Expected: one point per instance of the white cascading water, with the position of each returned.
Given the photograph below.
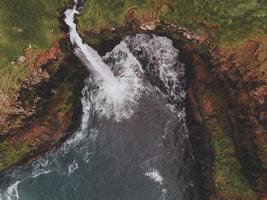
(115, 95)
(118, 84)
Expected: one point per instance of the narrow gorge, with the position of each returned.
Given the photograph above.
(136, 103)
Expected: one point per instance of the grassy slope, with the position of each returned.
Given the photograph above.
(24, 23)
(233, 20)
(11, 154)
(229, 180)
(99, 13)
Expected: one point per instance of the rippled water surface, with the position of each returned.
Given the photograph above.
(132, 141)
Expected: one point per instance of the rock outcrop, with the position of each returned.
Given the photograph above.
(227, 92)
(48, 101)
(242, 74)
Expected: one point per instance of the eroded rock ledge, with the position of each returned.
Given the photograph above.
(225, 85)
(226, 105)
(46, 108)
(229, 160)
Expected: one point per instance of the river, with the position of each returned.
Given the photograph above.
(132, 143)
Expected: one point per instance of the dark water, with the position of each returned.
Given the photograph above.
(140, 157)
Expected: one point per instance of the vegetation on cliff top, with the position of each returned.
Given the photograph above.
(23, 23)
(53, 123)
(102, 13)
(229, 179)
(11, 153)
(228, 21)
(34, 23)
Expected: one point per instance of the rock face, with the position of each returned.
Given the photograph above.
(227, 101)
(15, 105)
(221, 172)
(227, 94)
(242, 71)
(46, 106)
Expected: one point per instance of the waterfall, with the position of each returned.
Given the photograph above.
(87, 54)
(133, 108)
(151, 99)
(116, 95)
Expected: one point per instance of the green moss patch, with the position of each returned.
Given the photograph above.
(229, 179)
(9, 154)
(23, 23)
(103, 13)
(228, 21)
(65, 93)
(11, 75)
(27, 22)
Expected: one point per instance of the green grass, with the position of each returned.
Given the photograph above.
(24, 23)
(9, 154)
(65, 95)
(228, 176)
(101, 13)
(235, 19)
(10, 76)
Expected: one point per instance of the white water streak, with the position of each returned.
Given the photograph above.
(116, 93)
(72, 167)
(155, 176)
(12, 192)
(86, 53)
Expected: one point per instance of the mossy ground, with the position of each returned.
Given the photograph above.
(51, 123)
(103, 13)
(229, 179)
(10, 76)
(24, 23)
(11, 154)
(227, 21)
(34, 23)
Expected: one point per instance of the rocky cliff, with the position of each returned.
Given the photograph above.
(224, 47)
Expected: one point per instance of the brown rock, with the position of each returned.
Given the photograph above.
(207, 105)
(130, 16)
(259, 94)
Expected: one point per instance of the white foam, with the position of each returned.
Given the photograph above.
(118, 101)
(162, 63)
(72, 167)
(12, 192)
(87, 156)
(93, 134)
(39, 173)
(164, 192)
(155, 176)
(116, 93)
(167, 127)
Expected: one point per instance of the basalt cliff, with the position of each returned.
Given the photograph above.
(223, 46)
